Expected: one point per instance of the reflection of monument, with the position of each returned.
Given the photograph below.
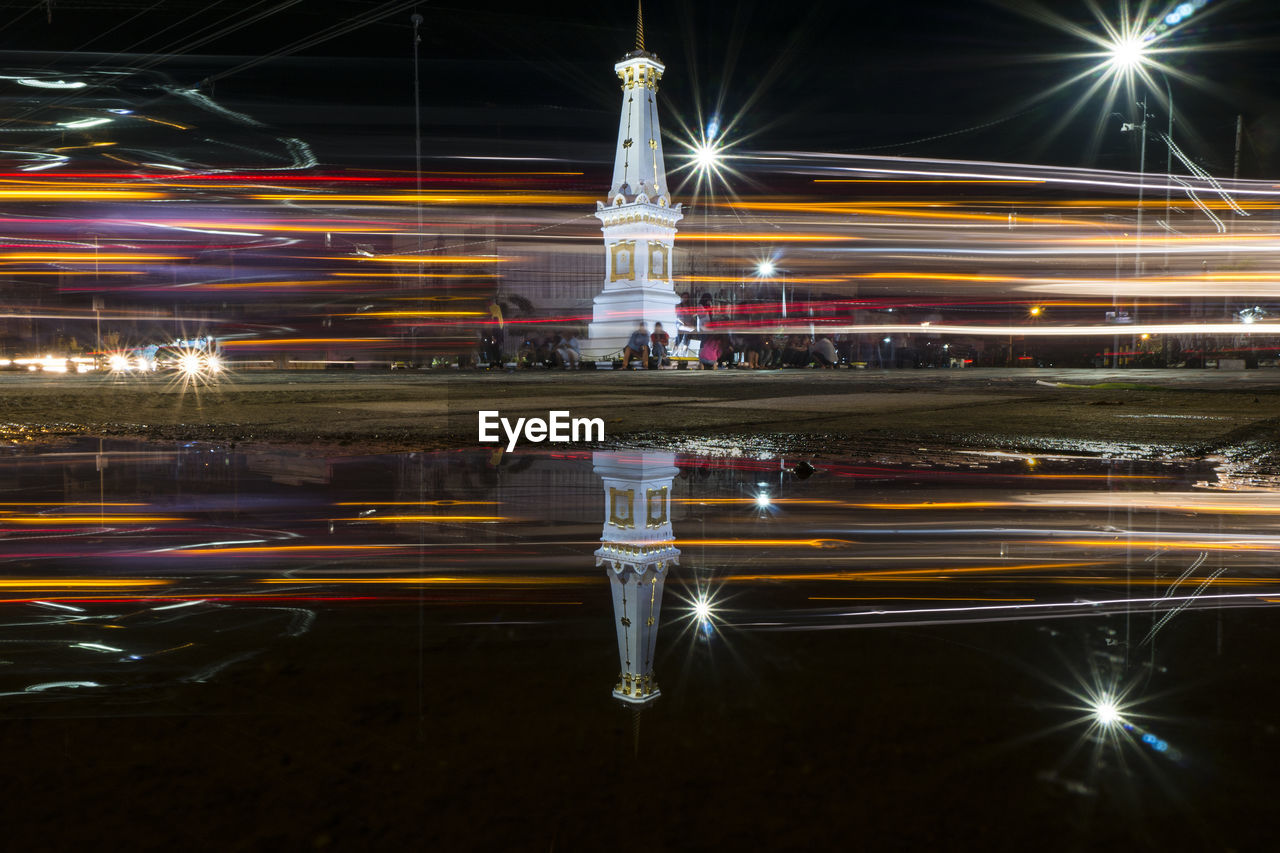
(636, 548)
(638, 220)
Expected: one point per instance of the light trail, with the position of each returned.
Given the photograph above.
(1035, 331)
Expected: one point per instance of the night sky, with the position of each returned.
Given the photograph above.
(535, 80)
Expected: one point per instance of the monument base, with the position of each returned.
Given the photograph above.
(616, 313)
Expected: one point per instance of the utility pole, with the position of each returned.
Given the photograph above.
(1235, 166)
(1142, 174)
(416, 19)
(1235, 176)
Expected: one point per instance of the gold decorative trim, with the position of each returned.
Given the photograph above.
(655, 514)
(622, 254)
(621, 513)
(659, 257)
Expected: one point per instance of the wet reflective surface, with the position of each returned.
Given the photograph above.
(639, 649)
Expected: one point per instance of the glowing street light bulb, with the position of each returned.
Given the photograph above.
(1036, 310)
(766, 268)
(1106, 713)
(702, 609)
(762, 500)
(1128, 53)
(706, 156)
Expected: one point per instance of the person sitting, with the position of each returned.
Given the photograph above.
(770, 354)
(568, 351)
(755, 349)
(491, 349)
(658, 345)
(527, 354)
(727, 352)
(637, 347)
(796, 353)
(709, 352)
(824, 352)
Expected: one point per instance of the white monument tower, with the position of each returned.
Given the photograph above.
(636, 549)
(638, 219)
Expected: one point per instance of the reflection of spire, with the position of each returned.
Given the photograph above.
(639, 27)
(636, 548)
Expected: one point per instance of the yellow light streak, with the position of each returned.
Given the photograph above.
(422, 259)
(79, 583)
(294, 341)
(766, 238)
(417, 274)
(935, 504)
(431, 198)
(78, 195)
(84, 257)
(78, 147)
(237, 285)
(422, 519)
(752, 501)
(286, 549)
(69, 503)
(440, 580)
(939, 276)
(791, 279)
(88, 519)
(287, 226)
(771, 543)
(900, 211)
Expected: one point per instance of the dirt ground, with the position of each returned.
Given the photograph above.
(1137, 413)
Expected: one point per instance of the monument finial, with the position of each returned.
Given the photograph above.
(639, 26)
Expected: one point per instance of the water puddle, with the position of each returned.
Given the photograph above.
(463, 620)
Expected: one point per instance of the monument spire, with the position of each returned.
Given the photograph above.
(637, 217)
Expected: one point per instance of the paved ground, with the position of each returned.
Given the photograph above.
(1138, 412)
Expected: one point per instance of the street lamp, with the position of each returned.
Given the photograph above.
(707, 157)
(1129, 55)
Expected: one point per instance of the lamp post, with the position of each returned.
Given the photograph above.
(1129, 55)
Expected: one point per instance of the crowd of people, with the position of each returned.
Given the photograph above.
(650, 350)
(561, 350)
(767, 352)
(647, 350)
